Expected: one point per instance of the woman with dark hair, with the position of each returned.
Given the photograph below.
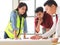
(17, 22)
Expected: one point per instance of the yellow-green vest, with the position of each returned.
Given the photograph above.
(9, 29)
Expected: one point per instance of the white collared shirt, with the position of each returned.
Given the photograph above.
(52, 30)
(55, 28)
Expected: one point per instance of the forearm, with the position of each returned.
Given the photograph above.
(51, 31)
(15, 34)
(37, 28)
(25, 28)
(38, 25)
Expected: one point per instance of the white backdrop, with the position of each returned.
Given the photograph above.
(5, 9)
(30, 12)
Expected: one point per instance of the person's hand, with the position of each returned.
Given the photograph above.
(26, 38)
(36, 37)
(40, 37)
(15, 35)
(54, 40)
(37, 30)
(15, 38)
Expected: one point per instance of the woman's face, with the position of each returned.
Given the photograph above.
(22, 10)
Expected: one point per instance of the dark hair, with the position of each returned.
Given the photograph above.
(50, 0)
(21, 4)
(50, 3)
(39, 9)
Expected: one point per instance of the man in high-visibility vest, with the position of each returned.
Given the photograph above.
(17, 22)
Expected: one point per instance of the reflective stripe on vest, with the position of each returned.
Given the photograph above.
(9, 29)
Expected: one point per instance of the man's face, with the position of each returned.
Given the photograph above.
(47, 8)
(40, 14)
(50, 9)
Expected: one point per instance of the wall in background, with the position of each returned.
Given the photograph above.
(5, 9)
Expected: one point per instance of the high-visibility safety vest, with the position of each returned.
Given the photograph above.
(9, 29)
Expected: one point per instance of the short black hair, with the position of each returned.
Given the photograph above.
(39, 9)
(50, 3)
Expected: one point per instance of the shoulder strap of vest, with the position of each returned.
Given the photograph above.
(20, 25)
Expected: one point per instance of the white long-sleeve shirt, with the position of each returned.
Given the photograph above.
(52, 30)
(55, 27)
